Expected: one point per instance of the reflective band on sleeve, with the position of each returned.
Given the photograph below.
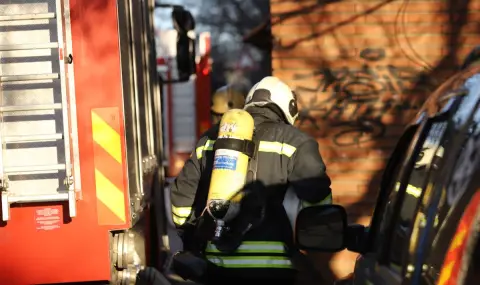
(180, 214)
(207, 146)
(328, 200)
(199, 151)
(250, 261)
(277, 147)
(253, 247)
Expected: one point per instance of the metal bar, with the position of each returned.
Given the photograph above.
(72, 204)
(32, 138)
(38, 16)
(57, 197)
(13, 170)
(5, 207)
(63, 85)
(75, 158)
(28, 46)
(38, 107)
(28, 77)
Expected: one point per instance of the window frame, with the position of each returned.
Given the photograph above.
(385, 185)
(438, 119)
(403, 156)
(397, 200)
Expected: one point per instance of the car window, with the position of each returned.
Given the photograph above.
(403, 227)
(387, 184)
(406, 189)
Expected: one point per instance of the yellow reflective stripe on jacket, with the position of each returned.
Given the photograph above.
(250, 261)
(275, 147)
(328, 200)
(253, 247)
(180, 214)
(207, 146)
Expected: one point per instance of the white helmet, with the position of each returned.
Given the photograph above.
(271, 90)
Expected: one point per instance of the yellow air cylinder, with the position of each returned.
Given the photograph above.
(230, 166)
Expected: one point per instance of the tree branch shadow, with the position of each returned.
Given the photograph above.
(325, 120)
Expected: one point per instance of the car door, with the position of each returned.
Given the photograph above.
(453, 188)
(388, 243)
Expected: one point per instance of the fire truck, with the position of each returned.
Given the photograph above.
(81, 134)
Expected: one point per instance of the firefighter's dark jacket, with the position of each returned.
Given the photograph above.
(287, 157)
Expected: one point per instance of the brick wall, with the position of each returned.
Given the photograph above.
(361, 70)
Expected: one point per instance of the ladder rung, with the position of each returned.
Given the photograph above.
(33, 138)
(28, 77)
(39, 107)
(39, 198)
(13, 170)
(28, 46)
(27, 17)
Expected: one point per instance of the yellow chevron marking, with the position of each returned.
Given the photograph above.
(106, 137)
(110, 195)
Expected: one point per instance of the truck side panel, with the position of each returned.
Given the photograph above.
(78, 248)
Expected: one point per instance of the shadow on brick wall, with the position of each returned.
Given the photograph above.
(361, 72)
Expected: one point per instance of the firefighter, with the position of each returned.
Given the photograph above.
(289, 163)
(225, 98)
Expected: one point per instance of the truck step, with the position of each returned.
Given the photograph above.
(28, 77)
(23, 17)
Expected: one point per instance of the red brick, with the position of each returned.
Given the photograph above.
(373, 38)
(291, 77)
(353, 153)
(305, 65)
(360, 209)
(341, 263)
(360, 176)
(325, 54)
(396, 6)
(341, 198)
(311, 6)
(474, 5)
(333, 36)
(353, 165)
(301, 30)
(316, 18)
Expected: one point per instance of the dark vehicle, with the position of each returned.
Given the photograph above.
(426, 221)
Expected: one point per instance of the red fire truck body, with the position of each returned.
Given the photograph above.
(81, 135)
